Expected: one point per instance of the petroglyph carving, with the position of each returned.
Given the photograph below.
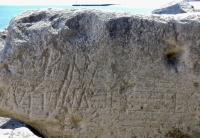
(89, 73)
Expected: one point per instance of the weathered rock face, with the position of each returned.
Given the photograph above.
(88, 73)
(175, 7)
(2, 38)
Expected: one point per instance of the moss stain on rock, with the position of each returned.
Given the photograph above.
(177, 133)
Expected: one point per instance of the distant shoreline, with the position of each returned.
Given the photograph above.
(93, 4)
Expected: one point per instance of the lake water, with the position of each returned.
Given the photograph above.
(8, 12)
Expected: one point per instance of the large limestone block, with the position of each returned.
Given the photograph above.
(100, 74)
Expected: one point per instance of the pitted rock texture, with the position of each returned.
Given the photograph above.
(84, 73)
(2, 38)
(175, 7)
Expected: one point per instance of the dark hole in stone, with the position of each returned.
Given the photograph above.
(141, 107)
(4, 36)
(196, 84)
(172, 60)
(172, 57)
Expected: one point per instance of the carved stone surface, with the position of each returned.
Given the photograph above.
(175, 7)
(100, 74)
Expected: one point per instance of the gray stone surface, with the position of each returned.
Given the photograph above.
(21, 132)
(175, 7)
(3, 34)
(101, 74)
(3, 120)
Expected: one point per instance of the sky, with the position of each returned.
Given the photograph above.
(130, 3)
